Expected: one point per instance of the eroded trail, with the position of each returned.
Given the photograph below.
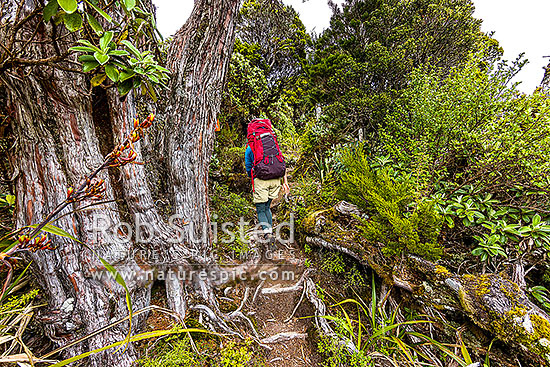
(272, 295)
(281, 311)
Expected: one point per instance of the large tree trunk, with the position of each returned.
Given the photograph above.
(199, 56)
(63, 131)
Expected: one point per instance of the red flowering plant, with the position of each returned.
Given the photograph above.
(32, 238)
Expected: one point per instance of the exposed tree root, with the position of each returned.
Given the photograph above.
(296, 287)
(296, 307)
(283, 337)
(320, 317)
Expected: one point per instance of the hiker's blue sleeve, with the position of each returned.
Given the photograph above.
(248, 160)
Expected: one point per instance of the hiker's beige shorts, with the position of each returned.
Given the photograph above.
(266, 189)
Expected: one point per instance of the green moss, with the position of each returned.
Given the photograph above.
(541, 327)
(441, 272)
(517, 323)
(233, 355)
(176, 351)
(309, 223)
(535, 336)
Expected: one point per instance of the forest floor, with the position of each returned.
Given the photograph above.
(275, 304)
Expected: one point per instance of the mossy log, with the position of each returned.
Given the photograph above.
(492, 302)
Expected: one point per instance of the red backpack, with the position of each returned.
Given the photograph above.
(269, 162)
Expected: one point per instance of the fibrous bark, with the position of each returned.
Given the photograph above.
(61, 126)
(199, 57)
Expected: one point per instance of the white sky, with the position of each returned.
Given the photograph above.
(518, 26)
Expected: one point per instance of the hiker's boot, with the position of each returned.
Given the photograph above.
(271, 243)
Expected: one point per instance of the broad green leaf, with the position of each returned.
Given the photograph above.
(69, 6)
(98, 79)
(125, 75)
(83, 58)
(477, 251)
(101, 12)
(129, 4)
(89, 66)
(116, 63)
(73, 21)
(158, 67)
(89, 44)
(81, 49)
(132, 49)
(151, 91)
(536, 220)
(153, 78)
(105, 40)
(94, 24)
(125, 87)
(112, 72)
(50, 10)
(525, 229)
(118, 53)
(101, 58)
(510, 227)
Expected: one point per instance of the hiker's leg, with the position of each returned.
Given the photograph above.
(262, 215)
(268, 213)
(261, 196)
(273, 192)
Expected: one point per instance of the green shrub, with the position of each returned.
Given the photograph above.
(497, 227)
(173, 353)
(469, 124)
(229, 206)
(397, 219)
(334, 263)
(336, 355)
(228, 160)
(234, 355)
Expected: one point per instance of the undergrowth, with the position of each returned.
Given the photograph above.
(398, 217)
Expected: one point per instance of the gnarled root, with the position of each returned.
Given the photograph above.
(320, 317)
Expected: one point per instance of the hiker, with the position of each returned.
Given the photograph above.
(265, 165)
